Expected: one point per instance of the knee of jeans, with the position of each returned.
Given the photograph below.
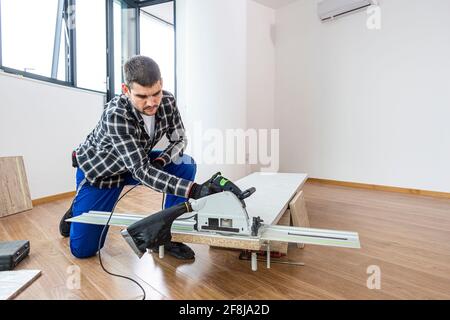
(82, 252)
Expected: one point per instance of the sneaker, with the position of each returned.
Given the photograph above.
(64, 227)
(178, 250)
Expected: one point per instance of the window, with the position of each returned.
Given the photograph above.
(91, 44)
(125, 39)
(84, 43)
(28, 40)
(157, 40)
(117, 47)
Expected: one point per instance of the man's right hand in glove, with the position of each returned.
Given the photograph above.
(205, 189)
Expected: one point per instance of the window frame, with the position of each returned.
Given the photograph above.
(71, 72)
(1, 52)
(142, 12)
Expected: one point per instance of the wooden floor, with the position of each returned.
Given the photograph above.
(407, 236)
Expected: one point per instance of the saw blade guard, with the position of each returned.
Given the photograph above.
(223, 213)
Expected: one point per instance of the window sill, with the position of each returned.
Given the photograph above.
(44, 80)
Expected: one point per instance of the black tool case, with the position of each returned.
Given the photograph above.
(12, 252)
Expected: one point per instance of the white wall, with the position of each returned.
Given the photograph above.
(366, 106)
(212, 70)
(260, 68)
(43, 123)
(226, 72)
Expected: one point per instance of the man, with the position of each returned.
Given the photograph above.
(119, 152)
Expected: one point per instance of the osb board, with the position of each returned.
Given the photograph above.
(214, 241)
(14, 191)
(14, 282)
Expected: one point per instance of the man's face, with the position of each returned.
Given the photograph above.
(145, 99)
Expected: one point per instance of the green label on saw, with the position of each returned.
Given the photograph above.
(223, 182)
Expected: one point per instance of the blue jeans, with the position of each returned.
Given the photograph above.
(84, 238)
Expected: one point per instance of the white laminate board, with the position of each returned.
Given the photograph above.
(14, 282)
(273, 193)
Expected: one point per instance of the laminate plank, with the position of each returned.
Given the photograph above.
(14, 192)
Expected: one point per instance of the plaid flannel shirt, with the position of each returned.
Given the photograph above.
(120, 144)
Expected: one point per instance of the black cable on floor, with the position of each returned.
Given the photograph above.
(100, 243)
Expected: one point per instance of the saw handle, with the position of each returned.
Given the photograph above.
(226, 185)
(247, 193)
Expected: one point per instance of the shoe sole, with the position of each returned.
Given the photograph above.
(64, 227)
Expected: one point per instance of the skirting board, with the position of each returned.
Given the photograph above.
(53, 198)
(434, 194)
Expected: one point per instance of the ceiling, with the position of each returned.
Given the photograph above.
(165, 10)
(275, 4)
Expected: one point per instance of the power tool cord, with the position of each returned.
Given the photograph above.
(100, 242)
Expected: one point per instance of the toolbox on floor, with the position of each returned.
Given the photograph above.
(12, 252)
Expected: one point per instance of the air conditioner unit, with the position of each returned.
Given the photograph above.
(330, 9)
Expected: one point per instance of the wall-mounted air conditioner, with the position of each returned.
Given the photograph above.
(330, 9)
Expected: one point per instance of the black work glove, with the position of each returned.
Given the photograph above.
(158, 164)
(205, 189)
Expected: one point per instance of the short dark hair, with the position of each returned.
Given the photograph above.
(142, 70)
